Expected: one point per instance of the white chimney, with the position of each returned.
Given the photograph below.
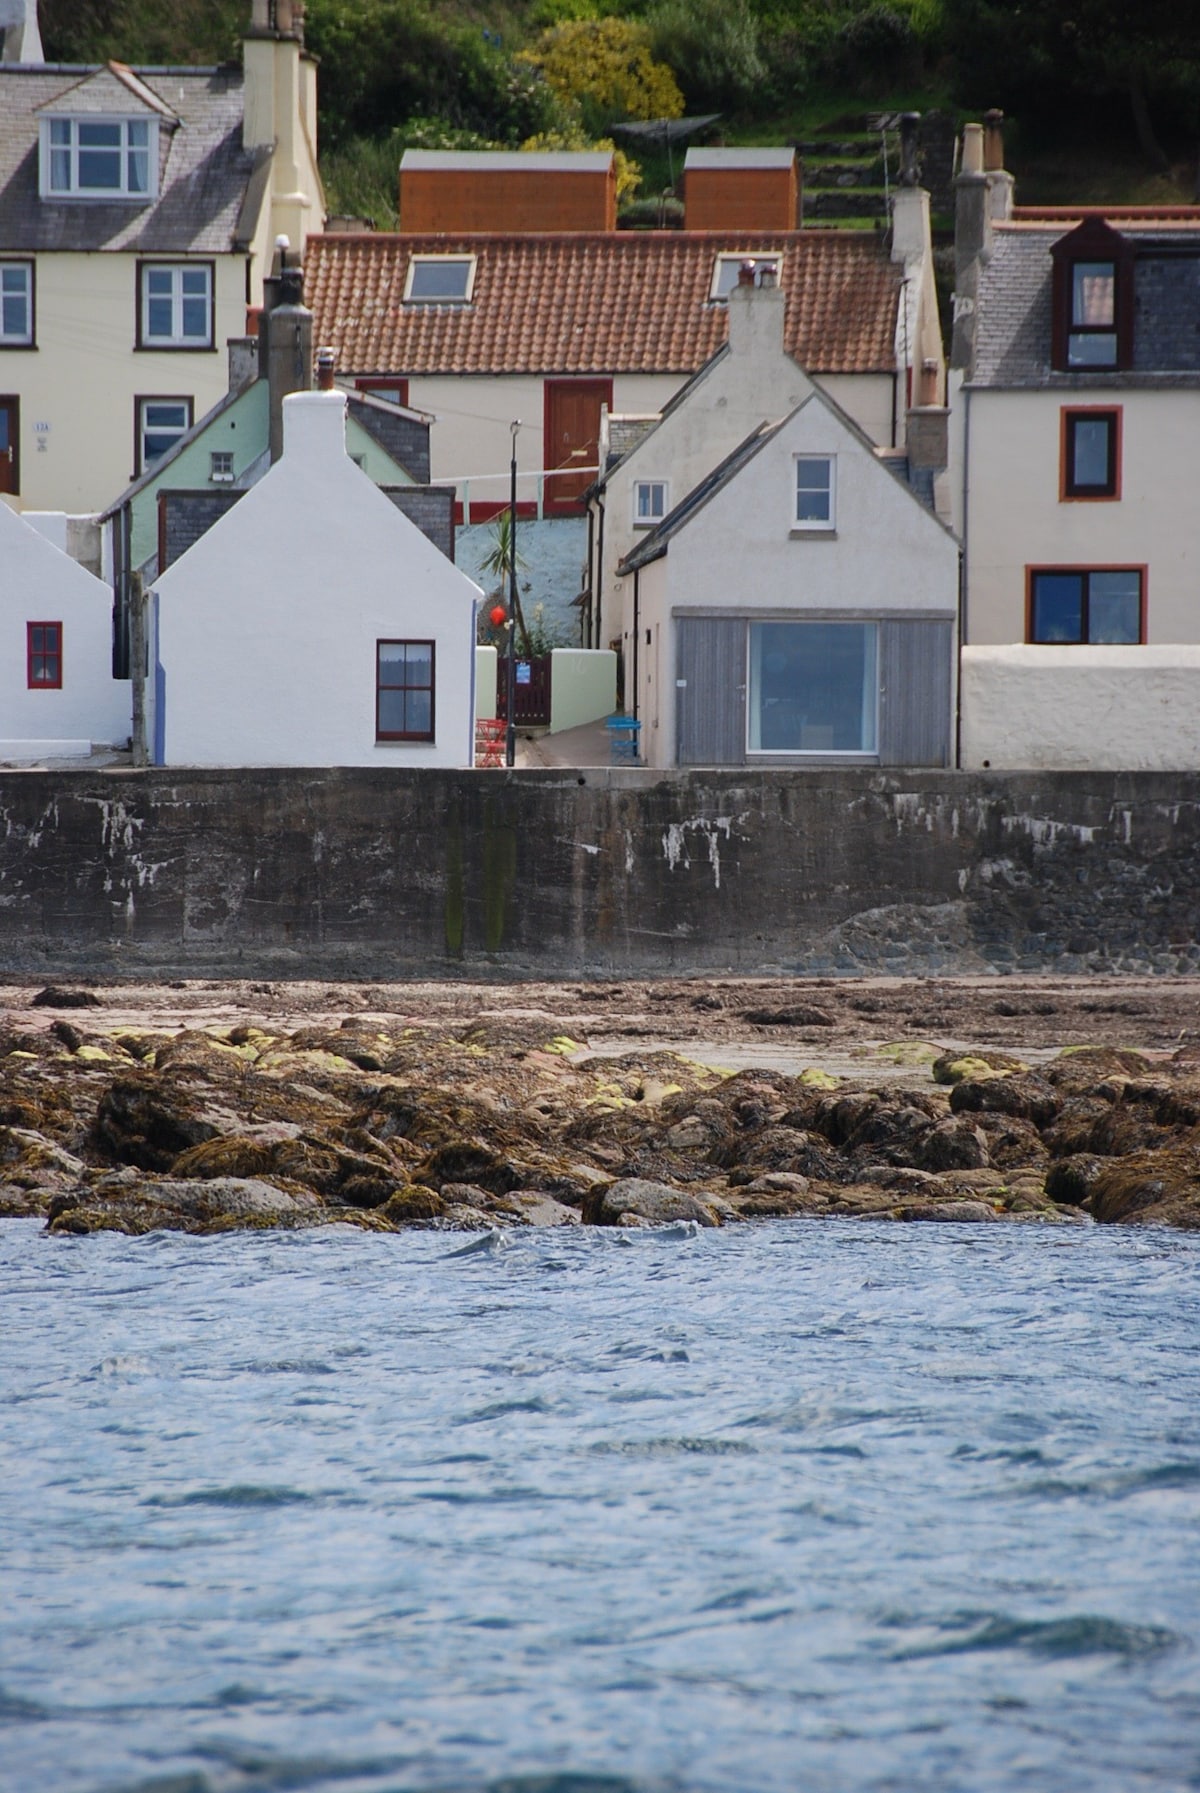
(19, 28)
(314, 429)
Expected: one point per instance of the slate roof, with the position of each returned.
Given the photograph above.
(596, 303)
(210, 188)
(1013, 327)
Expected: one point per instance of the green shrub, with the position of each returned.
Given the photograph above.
(713, 48)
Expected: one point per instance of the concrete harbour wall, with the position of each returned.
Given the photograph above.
(377, 874)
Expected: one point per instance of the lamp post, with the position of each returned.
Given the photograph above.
(510, 738)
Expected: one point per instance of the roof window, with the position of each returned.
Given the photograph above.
(439, 280)
(1092, 299)
(728, 268)
(99, 158)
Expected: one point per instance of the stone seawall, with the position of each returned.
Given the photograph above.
(547, 873)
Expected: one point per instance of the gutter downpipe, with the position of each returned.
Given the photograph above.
(631, 709)
(599, 585)
(591, 578)
(962, 565)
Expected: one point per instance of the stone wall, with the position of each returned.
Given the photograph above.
(359, 873)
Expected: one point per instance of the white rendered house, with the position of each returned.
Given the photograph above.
(797, 607)
(313, 624)
(58, 697)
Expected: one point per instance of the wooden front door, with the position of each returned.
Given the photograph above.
(10, 466)
(572, 425)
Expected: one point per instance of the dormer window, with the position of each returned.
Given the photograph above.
(440, 280)
(1093, 299)
(728, 269)
(99, 158)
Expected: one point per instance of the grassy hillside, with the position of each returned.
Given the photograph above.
(1103, 105)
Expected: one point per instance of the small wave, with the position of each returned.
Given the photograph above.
(129, 1364)
(288, 1366)
(241, 1494)
(495, 1240)
(1080, 1634)
(1113, 1487)
(15, 1710)
(501, 1410)
(673, 1447)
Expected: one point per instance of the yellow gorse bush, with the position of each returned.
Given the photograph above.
(607, 63)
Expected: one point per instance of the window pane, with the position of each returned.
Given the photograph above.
(99, 135)
(420, 712)
(814, 490)
(37, 640)
(1058, 607)
(195, 317)
(1090, 438)
(60, 131)
(1114, 607)
(166, 416)
(439, 279)
(158, 317)
(813, 687)
(391, 663)
(138, 178)
(391, 713)
(1093, 289)
(195, 282)
(100, 170)
(60, 170)
(419, 664)
(1098, 350)
(138, 132)
(160, 281)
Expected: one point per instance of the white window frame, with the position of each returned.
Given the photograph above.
(718, 292)
(177, 337)
(220, 467)
(814, 525)
(651, 519)
(67, 132)
(424, 261)
(16, 339)
(143, 429)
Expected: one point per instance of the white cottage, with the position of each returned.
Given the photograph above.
(58, 697)
(797, 607)
(314, 624)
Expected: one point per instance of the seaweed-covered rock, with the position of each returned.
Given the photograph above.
(1022, 1094)
(1150, 1189)
(148, 1122)
(635, 1201)
(150, 1204)
(951, 1145)
(975, 1062)
(1072, 1180)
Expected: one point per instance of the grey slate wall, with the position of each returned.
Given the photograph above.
(554, 873)
(431, 508)
(406, 439)
(183, 517)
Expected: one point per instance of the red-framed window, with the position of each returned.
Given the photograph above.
(387, 386)
(1093, 605)
(404, 690)
(1090, 460)
(44, 656)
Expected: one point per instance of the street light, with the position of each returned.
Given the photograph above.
(510, 738)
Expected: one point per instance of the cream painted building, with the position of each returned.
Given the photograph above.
(139, 211)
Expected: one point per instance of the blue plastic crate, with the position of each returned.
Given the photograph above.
(624, 737)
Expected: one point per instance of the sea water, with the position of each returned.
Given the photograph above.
(802, 1506)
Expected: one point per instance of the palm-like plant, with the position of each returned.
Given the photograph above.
(498, 561)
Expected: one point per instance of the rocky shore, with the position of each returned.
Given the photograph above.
(502, 1117)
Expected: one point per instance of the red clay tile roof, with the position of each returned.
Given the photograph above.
(604, 303)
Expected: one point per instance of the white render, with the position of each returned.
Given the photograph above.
(40, 584)
(741, 552)
(754, 381)
(266, 628)
(583, 686)
(1015, 519)
(1076, 708)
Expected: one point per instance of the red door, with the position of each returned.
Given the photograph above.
(10, 467)
(572, 425)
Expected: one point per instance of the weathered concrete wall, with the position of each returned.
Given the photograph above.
(392, 874)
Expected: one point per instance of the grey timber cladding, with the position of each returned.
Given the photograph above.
(916, 672)
(915, 689)
(710, 691)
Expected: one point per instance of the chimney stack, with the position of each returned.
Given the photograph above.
(285, 336)
(909, 125)
(983, 196)
(19, 31)
(326, 364)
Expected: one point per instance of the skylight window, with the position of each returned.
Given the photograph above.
(728, 267)
(99, 158)
(440, 280)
